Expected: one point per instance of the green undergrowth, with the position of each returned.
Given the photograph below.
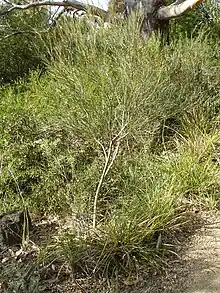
(120, 137)
(152, 198)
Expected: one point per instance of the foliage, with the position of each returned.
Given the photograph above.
(104, 105)
(205, 16)
(21, 44)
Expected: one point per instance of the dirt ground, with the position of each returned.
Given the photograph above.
(203, 257)
(197, 270)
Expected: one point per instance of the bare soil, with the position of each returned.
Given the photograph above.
(197, 269)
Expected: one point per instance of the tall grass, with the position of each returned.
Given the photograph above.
(81, 142)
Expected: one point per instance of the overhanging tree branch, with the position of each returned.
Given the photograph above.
(156, 14)
(165, 12)
(177, 8)
(74, 4)
(23, 32)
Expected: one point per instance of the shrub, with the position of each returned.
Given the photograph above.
(81, 139)
(21, 45)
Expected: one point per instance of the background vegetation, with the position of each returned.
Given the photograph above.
(118, 136)
(22, 46)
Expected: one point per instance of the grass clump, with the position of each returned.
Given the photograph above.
(154, 202)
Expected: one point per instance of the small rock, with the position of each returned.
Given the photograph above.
(13, 226)
(3, 286)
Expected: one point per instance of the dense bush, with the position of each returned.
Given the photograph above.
(21, 44)
(89, 140)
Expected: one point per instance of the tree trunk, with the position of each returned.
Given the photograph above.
(151, 22)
